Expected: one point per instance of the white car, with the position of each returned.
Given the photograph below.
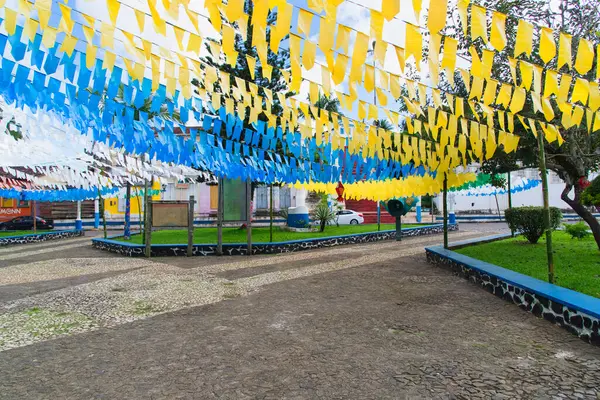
(349, 217)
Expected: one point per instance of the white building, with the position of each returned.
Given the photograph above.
(532, 197)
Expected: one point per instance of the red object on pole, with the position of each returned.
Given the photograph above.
(583, 182)
(340, 192)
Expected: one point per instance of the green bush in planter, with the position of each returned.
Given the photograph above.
(579, 230)
(530, 221)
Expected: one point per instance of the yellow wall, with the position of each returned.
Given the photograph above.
(111, 205)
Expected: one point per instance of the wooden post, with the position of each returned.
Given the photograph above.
(220, 217)
(271, 214)
(34, 214)
(445, 205)
(127, 230)
(145, 210)
(101, 205)
(547, 226)
(148, 225)
(190, 246)
(249, 215)
(512, 233)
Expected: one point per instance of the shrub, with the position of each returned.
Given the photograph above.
(591, 195)
(324, 215)
(579, 230)
(530, 221)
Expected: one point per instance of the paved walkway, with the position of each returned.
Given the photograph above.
(369, 321)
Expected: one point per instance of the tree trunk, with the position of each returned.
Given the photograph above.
(581, 210)
(323, 223)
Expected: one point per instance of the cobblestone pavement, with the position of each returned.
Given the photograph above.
(367, 321)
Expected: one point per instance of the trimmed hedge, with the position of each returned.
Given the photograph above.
(530, 221)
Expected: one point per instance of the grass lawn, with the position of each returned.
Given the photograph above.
(17, 233)
(576, 262)
(235, 235)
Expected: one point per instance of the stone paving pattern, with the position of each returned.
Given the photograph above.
(365, 321)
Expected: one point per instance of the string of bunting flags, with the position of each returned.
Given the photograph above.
(119, 98)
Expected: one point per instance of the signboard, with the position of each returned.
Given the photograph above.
(234, 200)
(169, 214)
(9, 213)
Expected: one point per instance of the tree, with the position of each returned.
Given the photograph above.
(579, 155)
(383, 124)
(243, 45)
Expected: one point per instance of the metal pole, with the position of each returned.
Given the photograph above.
(127, 231)
(190, 246)
(547, 227)
(148, 223)
(220, 217)
(512, 233)
(34, 214)
(271, 214)
(378, 216)
(249, 215)
(101, 207)
(445, 205)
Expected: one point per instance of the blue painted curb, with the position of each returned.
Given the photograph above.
(52, 233)
(574, 311)
(114, 244)
(578, 301)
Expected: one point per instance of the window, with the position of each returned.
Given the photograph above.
(23, 204)
(285, 198)
(554, 178)
(9, 203)
(214, 197)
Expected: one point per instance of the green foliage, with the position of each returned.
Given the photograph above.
(324, 214)
(259, 234)
(579, 230)
(575, 261)
(498, 181)
(591, 195)
(530, 221)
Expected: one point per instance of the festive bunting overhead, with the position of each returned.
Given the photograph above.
(101, 88)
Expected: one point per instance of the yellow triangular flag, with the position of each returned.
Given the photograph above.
(31, 26)
(498, 34)
(140, 17)
(308, 55)
(369, 83)
(417, 6)
(339, 71)
(564, 51)
(518, 100)
(436, 20)
(547, 45)
(304, 22)
(68, 45)
(524, 41)
(390, 8)
(414, 44)
(581, 91)
(113, 9)
(90, 56)
(234, 10)
(462, 6)
(342, 39)
(478, 23)
(107, 35)
(10, 21)
(585, 57)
